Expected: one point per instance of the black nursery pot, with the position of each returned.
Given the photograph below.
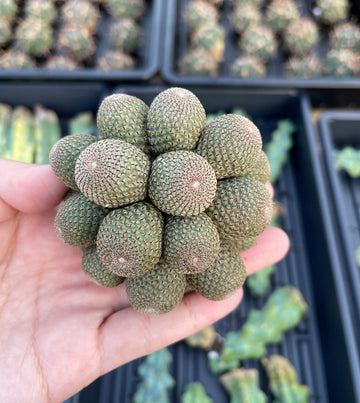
(177, 44)
(319, 341)
(148, 56)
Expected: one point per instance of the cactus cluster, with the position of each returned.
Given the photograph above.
(160, 198)
(206, 39)
(65, 36)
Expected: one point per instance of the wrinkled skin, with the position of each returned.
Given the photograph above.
(58, 330)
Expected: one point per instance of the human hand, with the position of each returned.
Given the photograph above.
(58, 330)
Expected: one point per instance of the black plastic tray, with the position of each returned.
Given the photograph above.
(314, 360)
(148, 56)
(176, 45)
(337, 130)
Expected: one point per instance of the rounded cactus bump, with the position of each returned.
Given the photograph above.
(164, 200)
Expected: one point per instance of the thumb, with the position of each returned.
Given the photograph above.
(29, 188)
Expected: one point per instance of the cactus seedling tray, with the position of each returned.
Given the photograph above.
(147, 57)
(313, 359)
(337, 130)
(177, 44)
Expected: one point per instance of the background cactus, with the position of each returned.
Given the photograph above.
(248, 66)
(341, 63)
(34, 37)
(300, 36)
(258, 42)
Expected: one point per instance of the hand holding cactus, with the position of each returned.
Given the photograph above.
(59, 331)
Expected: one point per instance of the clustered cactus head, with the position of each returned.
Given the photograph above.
(169, 220)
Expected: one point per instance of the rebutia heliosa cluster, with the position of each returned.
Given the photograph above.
(163, 199)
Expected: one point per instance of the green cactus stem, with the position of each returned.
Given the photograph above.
(195, 393)
(83, 122)
(277, 150)
(348, 159)
(156, 379)
(283, 381)
(284, 309)
(243, 386)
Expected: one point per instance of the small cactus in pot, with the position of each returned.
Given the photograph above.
(248, 66)
(34, 37)
(346, 36)
(211, 38)
(76, 42)
(280, 13)
(125, 34)
(199, 62)
(245, 17)
(259, 42)
(331, 12)
(300, 36)
(303, 67)
(341, 63)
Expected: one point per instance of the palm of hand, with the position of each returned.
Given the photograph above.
(59, 331)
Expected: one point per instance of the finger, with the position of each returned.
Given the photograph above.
(29, 188)
(270, 188)
(271, 246)
(128, 334)
(6, 211)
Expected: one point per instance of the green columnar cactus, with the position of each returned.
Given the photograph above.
(199, 13)
(348, 159)
(331, 12)
(243, 386)
(199, 62)
(277, 150)
(280, 13)
(83, 122)
(341, 63)
(248, 66)
(284, 309)
(245, 17)
(357, 256)
(34, 36)
(259, 282)
(345, 36)
(258, 42)
(156, 379)
(211, 38)
(195, 393)
(300, 36)
(283, 381)
(303, 67)
(5, 129)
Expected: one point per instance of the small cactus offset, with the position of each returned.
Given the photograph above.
(242, 385)
(81, 13)
(258, 42)
(303, 67)
(199, 62)
(195, 393)
(284, 309)
(245, 17)
(43, 10)
(331, 12)
(199, 13)
(76, 42)
(341, 63)
(204, 338)
(114, 60)
(346, 36)
(248, 66)
(121, 9)
(211, 38)
(283, 382)
(280, 13)
(34, 37)
(301, 36)
(125, 35)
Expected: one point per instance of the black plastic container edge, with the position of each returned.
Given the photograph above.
(333, 282)
(341, 204)
(171, 76)
(146, 70)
